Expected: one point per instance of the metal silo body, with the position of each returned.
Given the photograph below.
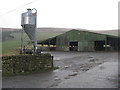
(28, 23)
(28, 18)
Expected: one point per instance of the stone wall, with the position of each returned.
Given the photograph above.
(22, 64)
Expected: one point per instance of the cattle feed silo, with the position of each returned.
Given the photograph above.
(29, 24)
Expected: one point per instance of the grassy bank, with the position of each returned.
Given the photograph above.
(10, 45)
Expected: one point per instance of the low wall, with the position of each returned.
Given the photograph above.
(21, 64)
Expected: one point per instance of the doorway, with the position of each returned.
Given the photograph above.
(99, 45)
(73, 46)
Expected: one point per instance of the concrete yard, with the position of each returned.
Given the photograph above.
(76, 70)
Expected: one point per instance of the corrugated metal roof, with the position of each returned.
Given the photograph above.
(82, 30)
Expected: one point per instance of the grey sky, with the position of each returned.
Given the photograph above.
(86, 14)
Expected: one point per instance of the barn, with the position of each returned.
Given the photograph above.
(78, 40)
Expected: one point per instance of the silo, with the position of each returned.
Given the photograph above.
(28, 23)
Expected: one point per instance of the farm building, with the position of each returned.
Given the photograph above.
(76, 40)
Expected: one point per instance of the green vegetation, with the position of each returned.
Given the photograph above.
(10, 45)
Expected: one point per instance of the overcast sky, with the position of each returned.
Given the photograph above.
(86, 14)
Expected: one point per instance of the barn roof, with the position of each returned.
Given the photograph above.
(75, 30)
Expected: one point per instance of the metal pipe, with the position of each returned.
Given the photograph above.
(35, 40)
(22, 39)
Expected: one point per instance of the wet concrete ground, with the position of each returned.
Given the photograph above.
(102, 76)
(72, 67)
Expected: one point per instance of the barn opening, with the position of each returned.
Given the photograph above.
(99, 45)
(113, 42)
(52, 44)
(73, 46)
(49, 43)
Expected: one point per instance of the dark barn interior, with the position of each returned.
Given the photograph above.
(73, 46)
(49, 42)
(99, 45)
(114, 43)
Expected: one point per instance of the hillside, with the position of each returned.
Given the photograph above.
(46, 30)
(109, 32)
(53, 30)
(10, 29)
(63, 30)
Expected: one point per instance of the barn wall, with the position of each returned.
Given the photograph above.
(85, 40)
(76, 40)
